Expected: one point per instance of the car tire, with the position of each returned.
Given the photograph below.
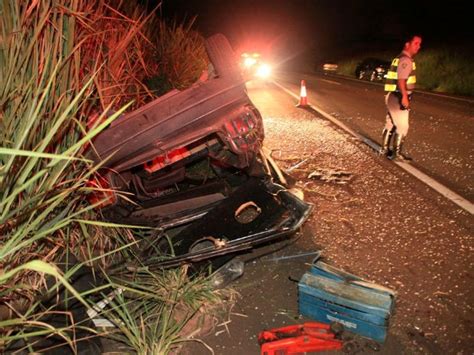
(221, 55)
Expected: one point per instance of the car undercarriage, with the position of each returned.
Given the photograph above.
(191, 164)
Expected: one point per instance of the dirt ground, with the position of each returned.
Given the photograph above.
(371, 219)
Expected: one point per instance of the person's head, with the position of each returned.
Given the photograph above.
(412, 44)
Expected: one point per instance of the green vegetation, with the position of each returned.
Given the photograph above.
(445, 70)
(182, 56)
(448, 71)
(63, 65)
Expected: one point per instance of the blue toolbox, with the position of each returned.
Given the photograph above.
(328, 295)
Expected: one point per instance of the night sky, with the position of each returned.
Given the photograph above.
(334, 27)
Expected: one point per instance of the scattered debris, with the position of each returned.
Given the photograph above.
(227, 273)
(296, 166)
(328, 175)
(286, 257)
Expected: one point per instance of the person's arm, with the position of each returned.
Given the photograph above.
(402, 85)
(404, 70)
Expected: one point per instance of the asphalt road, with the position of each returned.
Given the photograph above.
(370, 218)
(441, 136)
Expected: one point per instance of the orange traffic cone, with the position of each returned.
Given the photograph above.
(303, 97)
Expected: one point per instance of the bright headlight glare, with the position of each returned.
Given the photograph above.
(248, 62)
(264, 71)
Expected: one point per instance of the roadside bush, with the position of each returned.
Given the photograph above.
(448, 71)
(181, 54)
(348, 67)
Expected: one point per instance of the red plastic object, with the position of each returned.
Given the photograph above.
(102, 192)
(166, 159)
(296, 339)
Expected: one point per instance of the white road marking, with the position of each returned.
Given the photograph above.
(428, 93)
(445, 96)
(435, 185)
(331, 82)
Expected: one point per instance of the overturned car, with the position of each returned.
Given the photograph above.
(191, 164)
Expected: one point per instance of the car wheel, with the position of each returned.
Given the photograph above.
(221, 55)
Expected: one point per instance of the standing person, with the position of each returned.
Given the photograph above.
(400, 83)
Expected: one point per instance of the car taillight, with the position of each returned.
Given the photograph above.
(242, 132)
(166, 159)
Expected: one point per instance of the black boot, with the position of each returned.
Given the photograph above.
(397, 149)
(386, 138)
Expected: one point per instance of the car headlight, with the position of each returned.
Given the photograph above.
(263, 71)
(249, 61)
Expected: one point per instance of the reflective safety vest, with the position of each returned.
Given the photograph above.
(391, 82)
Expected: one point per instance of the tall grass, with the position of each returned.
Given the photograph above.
(45, 98)
(120, 41)
(45, 95)
(446, 70)
(63, 62)
(41, 98)
(181, 54)
(165, 303)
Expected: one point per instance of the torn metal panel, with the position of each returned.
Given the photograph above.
(282, 214)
